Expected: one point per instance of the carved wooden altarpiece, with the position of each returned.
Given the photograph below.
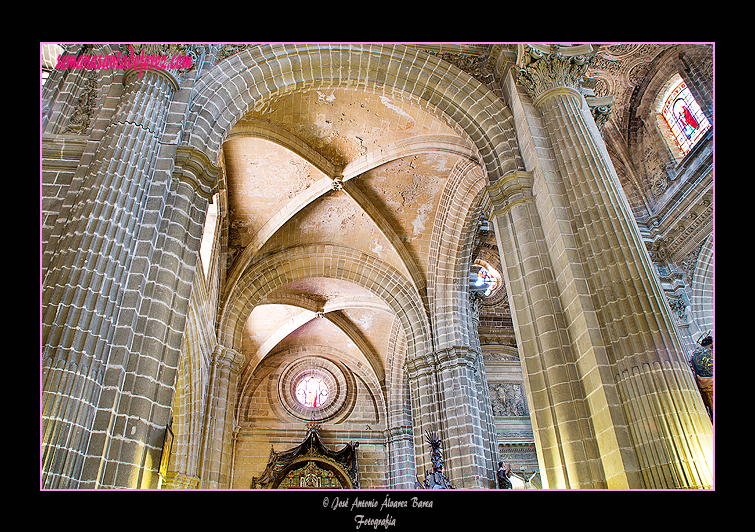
(311, 465)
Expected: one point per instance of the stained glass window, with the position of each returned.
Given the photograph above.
(485, 278)
(311, 391)
(684, 117)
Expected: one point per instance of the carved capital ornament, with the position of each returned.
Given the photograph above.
(548, 70)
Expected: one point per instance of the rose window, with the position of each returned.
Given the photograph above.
(311, 392)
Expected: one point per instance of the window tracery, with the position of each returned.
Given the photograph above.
(486, 281)
(684, 117)
(311, 392)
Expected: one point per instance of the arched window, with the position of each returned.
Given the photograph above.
(485, 281)
(211, 228)
(684, 117)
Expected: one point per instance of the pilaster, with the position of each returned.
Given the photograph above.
(217, 438)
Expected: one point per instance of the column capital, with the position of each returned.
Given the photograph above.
(399, 433)
(420, 364)
(547, 70)
(508, 191)
(456, 356)
(227, 357)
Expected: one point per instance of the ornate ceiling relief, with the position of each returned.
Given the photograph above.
(619, 69)
(476, 66)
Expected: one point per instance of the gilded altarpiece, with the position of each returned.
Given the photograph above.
(311, 465)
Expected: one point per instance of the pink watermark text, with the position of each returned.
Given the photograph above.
(124, 61)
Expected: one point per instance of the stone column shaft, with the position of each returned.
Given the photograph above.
(627, 323)
(468, 461)
(117, 294)
(565, 442)
(87, 277)
(423, 389)
(401, 457)
(445, 397)
(215, 464)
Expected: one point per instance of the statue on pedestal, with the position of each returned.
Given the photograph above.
(504, 475)
(435, 479)
(702, 366)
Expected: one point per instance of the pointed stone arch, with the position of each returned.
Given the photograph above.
(249, 78)
(335, 262)
(449, 253)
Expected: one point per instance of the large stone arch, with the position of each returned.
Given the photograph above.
(250, 77)
(335, 262)
(450, 257)
(277, 270)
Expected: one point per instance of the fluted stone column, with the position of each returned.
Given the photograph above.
(116, 296)
(87, 277)
(629, 356)
(217, 438)
(566, 445)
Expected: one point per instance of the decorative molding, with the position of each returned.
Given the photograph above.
(689, 263)
(514, 453)
(196, 169)
(509, 191)
(227, 50)
(227, 357)
(176, 480)
(497, 356)
(678, 304)
(600, 106)
(474, 65)
(442, 358)
(513, 437)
